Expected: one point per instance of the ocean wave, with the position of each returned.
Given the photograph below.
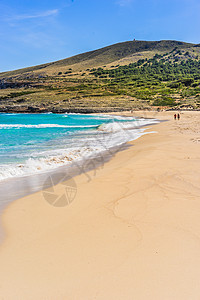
(100, 117)
(18, 126)
(69, 148)
(120, 126)
(37, 165)
(85, 117)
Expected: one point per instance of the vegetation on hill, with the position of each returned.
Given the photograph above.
(123, 76)
(163, 80)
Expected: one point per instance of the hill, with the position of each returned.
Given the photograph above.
(106, 55)
(121, 76)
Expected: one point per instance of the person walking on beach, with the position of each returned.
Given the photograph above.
(178, 116)
(175, 117)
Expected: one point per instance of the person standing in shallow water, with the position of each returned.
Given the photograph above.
(178, 116)
(175, 117)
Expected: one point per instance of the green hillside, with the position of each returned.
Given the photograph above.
(135, 74)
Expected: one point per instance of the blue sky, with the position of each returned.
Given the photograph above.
(35, 32)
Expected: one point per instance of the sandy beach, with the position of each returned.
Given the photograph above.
(132, 231)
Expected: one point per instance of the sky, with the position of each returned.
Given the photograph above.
(33, 32)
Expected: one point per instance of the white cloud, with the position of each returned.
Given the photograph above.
(44, 14)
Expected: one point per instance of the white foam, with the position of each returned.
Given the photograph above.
(121, 126)
(17, 126)
(103, 139)
(38, 165)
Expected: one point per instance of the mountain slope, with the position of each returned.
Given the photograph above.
(123, 76)
(103, 56)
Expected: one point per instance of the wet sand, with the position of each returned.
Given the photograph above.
(131, 232)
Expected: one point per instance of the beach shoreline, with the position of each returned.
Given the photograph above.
(20, 186)
(14, 188)
(131, 232)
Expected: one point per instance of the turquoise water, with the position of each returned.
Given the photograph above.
(31, 143)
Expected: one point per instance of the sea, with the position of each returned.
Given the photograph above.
(35, 143)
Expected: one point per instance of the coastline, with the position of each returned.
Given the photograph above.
(132, 231)
(23, 184)
(41, 110)
(12, 189)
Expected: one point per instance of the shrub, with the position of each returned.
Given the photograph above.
(187, 81)
(165, 101)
